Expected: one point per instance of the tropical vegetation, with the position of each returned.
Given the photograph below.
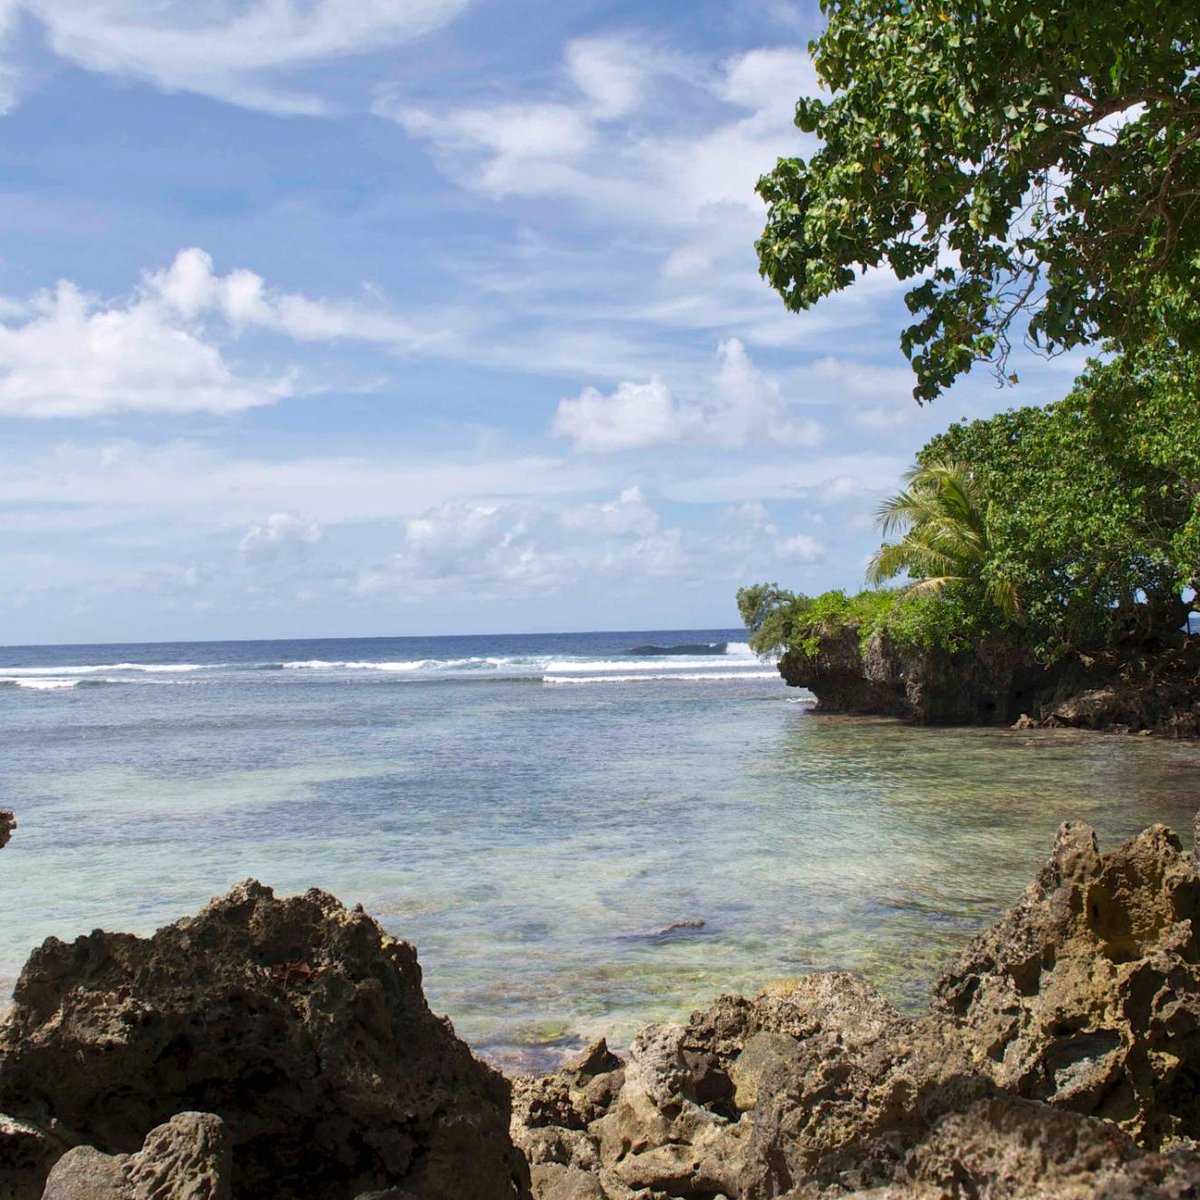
(1032, 166)
(1068, 527)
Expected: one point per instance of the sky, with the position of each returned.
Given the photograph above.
(384, 317)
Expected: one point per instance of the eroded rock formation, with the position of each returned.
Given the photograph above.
(1155, 688)
(1082, 1003)
(7, 824)
(188, 1158)
(1059, 1060)
(302, 1025)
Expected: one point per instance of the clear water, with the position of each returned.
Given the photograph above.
(533, 812)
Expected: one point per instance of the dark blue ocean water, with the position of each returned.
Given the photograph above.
(536, 811)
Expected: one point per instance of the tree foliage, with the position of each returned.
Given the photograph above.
(1033, 166)
(1094, 517)
(942, 514)
(1087, 512)
(779, 621)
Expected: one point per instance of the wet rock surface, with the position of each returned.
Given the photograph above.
(300, 1024)
(1060, 1057)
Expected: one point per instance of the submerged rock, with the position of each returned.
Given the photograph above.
(300, 1024)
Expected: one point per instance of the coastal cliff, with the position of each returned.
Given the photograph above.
(1151, 687)
(283, 1049)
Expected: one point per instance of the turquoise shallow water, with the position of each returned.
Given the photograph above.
(534, 836)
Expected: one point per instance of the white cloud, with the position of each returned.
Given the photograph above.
(190, 482)
(75, 357)
(234, 50)
(488, 545)
(611, 73)
(191, 287)
(629, 513)
(743, 407)
(506, 549)
(68, 353)
(512, 149)
(281, 535)
(800, 548)
(635, 415)
(603, 148)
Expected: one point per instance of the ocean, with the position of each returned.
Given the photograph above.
(580, 832)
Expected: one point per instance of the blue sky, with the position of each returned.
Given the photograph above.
(366, 317)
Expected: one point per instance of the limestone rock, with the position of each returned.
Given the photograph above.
(1086, 993)
(1080, 1004)
(188, 1158)
(86, 1174)
(300, 1023)
(553, 1182)
(26, 1154)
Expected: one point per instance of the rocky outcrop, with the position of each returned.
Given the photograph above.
(1061, 1045)
(7, 824)
(1086, 994)
(26, 1155)
(188, 1158)
(300, 1024)
(995, 684)
(283, 1048)
(1144, 687)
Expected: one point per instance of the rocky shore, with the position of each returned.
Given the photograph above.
(1152, 687)
(282, 1048)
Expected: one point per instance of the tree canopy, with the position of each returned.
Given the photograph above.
(1070, 527)
(1094, 513)
(1033, 166)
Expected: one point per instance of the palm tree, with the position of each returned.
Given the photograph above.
(942, 515)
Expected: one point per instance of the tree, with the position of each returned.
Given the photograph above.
(1094, 513)
(1033, 166)
(942, 514)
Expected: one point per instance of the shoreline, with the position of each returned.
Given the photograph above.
(752, 1097)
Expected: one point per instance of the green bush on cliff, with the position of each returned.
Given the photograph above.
(1094, 512)
(1070, 527)
(780, 621)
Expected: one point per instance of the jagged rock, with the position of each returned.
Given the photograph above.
(301, 1024)
(763, 1054)
(1010, 1149)
(26, 1154)
(994, 682)
(1081, 1003)
(188, 1158)
(7, 824)
(86, 1174)
(1086, 993)
(1138, 686)
(554, 1182)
